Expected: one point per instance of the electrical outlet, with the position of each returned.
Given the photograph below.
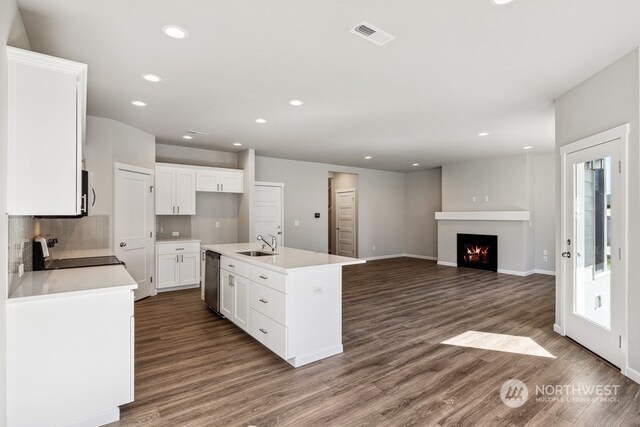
(217, 224)
(374, 248)
(175, 233)
(296, 223)
(474, 198)
(545, 259)
(20, 270)
(545, 252)
(317, 290)
(486, 198)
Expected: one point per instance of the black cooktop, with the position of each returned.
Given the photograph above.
(95, 261)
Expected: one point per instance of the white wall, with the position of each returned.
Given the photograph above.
(544, 215)
(110, 141)
(423, 198)
(606, 100)
(195, 156)
(12, 33)
(381, 205)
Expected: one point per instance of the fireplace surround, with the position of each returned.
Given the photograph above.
(478, 251)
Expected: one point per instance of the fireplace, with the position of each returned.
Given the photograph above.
(478, 251)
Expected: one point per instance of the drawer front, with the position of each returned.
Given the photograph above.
(268, 301)
(269, 332)
(263, 276)
(234, 266)
(177, 248)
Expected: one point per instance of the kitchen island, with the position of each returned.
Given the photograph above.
(290, 301)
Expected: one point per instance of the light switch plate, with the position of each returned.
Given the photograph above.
(217, 224)
(20, 270)
(175, 233)
(296, 223)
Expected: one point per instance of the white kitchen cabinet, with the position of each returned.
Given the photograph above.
(46, 130)
(233, 298)
(70, 358)
(175, 190)
(177, 264)
(219, 180)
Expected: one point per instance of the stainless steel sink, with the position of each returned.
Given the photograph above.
(257, 253)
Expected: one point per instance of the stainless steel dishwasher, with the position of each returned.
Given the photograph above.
(212, 281)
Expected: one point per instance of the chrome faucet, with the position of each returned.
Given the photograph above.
(274, 242)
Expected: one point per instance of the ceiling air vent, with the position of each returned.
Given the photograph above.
(195, 132)
(372, 33)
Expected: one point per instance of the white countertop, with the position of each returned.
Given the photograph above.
(287, 259)
(177, 240)
(42, 284)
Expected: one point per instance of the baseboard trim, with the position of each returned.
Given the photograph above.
(516, 273)
(430, 258)
(546, 272)
(310, 358)
(178, 288)
(448, 264)
(374, 258)
(99, 419)
(633, 374)
(558, 329)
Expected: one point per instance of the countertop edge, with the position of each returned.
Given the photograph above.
(31, 298)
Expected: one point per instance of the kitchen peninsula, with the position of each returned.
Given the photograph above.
(289, 300)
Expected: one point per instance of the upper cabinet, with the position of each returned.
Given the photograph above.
(46, 130)
(175, 190)
(219, 180)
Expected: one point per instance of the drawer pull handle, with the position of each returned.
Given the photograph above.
(264, 276)
(264, 301)
(264, 331)
(231, 266)
(179, 249)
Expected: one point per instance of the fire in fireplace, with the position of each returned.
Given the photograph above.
(478, 251)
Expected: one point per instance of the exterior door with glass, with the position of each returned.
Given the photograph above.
(593, 240)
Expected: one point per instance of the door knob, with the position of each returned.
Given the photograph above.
(123, 244)
(566, 254)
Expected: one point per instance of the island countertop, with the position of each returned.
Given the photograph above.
(49, 283)
(285, 260)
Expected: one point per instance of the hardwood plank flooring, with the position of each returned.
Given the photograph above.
(195, 369)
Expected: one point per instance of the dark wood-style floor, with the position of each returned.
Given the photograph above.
(195, 369)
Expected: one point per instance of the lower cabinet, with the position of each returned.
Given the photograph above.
(70, 358)
(177, 264)
(233, 298)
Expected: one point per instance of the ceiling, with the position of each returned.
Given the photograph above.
(456, 68)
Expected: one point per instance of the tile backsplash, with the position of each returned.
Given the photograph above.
(90, 232)
(21, 233)
(167, 224)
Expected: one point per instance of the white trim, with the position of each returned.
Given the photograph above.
(374, 258)
(430, 258)
(545, 272)
(98, 419)
(132, 168)
(618, 132)
(484, 216)
(268, 184)
(516, 273)
(310, 358)
(177, 288)
(559, 329)
(448, 264)
(632, 374)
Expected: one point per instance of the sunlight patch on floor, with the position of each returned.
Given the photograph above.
(499, 342)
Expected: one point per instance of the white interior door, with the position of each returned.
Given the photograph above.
(268, 211)
(133, 224)
(593, 239)
(346, 222)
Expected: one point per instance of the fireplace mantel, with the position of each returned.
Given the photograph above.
(484, 216)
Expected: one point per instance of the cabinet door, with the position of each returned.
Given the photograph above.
(231, 182)
(226, 294)
(44, 130)
(165, 190)
(207, 180)
(168, 274)
(189, 267)
(240, 302)
(185, 191)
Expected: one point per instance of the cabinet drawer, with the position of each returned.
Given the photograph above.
(177, 248)
(268, 301)
(263, 276)
(234, 266)
(269, 332)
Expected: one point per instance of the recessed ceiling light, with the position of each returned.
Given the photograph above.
(261, 121)
(139, 103)
(175, 31)
(528, 147)
(237, 144)
(368, 157)
(296, 102)
(483, 134)
(416, 164)
(151, 78)
(187, 137)
(500, 2)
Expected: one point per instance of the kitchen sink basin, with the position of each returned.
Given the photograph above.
(257, 253)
